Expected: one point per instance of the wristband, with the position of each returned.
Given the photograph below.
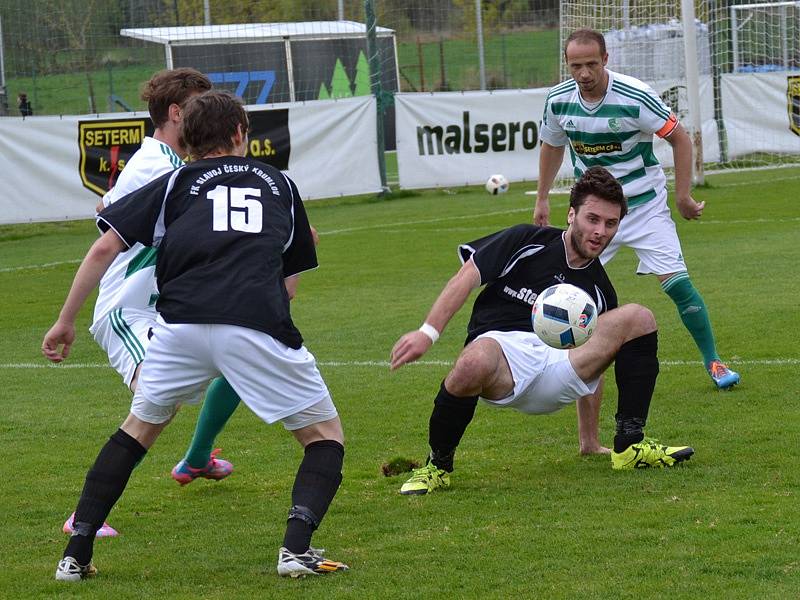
(430, 331)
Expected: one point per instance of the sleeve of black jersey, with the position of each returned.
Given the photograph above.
(300, 255)
(494, 254)
(133, 217)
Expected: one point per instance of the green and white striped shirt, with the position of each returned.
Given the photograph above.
(616, 134)
(130, 280)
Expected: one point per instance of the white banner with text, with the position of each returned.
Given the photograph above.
(58, 168)
(454, 139)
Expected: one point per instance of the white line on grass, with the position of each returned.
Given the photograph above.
(42, 266)
(332, 232)
(384, 227)
(385, 364)
(745, 221)
(477, 215)
(752, 182)
(420, 221)
(670, 178)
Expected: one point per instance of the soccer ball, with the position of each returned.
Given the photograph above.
(497, 184)
(564, 316)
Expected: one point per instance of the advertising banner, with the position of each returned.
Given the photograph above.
(57, 168)
(453, 139)
(762, 112)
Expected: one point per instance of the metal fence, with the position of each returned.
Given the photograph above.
(68, 56)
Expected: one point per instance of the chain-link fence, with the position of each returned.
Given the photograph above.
(69, 56)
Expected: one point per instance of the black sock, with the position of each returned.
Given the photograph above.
(449, 420)
(636, 370)
(315, 485)
(104, 484)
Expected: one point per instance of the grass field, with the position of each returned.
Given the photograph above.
(526, 516)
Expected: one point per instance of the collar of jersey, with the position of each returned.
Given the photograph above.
(602, 100)
(566, 257)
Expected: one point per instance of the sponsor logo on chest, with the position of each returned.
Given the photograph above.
(594, 149)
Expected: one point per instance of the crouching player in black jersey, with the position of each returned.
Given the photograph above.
(506, 365)
(232, 236)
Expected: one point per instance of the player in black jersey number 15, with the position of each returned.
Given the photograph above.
(506, 365)
(232, 235)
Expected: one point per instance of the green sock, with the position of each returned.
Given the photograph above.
(693, 313)
(217, 408)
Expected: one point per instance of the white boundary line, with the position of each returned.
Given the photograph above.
(671, 180)
(42, 266)
(387, 228)
(479, 215)
(419, 363)
(421, 221)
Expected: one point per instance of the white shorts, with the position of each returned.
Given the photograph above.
(544, 380)
(276, 382)
(123, 334)
(650, 231)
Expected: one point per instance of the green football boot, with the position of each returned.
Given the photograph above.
(650, 453)
(425, 479)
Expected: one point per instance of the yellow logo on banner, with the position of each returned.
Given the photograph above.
(793, 98)
(105, 147)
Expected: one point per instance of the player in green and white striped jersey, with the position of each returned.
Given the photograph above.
(124, 312)
(609, 119)
(128, 289)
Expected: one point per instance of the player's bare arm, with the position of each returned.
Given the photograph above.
(292, 281)
(416, 343)
(57, 342)
(291, 285)
(588, 409)
(682, 155)
(550, 158)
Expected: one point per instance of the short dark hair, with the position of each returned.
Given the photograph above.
(586, 36)
(598, 182)
(210, 120)
(172, 86)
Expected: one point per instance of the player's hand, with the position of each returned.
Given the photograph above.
(409, 348)
(541, 212)
(595, 448)
(58, 341)
(690, 209)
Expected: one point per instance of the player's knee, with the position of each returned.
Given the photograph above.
(317, 423)
(142, 431)
(642, 320)
(472, 369)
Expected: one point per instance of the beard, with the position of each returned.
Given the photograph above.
(575, 241)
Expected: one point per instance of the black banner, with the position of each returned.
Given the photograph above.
(270, 141)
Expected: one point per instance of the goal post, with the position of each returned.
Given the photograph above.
(694, 123)
(765, 35)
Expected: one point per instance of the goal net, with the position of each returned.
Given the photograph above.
(747, 59)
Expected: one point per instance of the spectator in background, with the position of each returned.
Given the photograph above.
(25, 108)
